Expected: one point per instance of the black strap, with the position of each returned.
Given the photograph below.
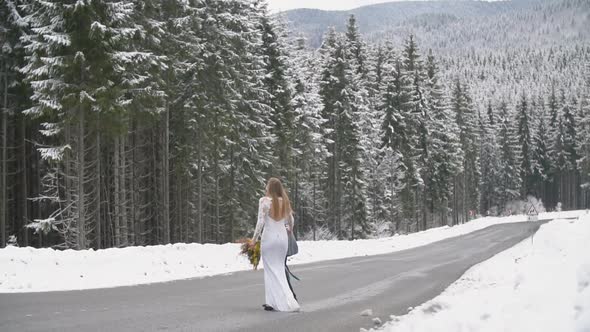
(291, 273)
(287, 274)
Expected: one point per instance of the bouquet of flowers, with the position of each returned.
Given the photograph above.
(251, 249)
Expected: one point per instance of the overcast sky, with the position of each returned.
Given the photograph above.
(280, 5)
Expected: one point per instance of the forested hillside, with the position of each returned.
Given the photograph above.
(148, 122)
(454, 25)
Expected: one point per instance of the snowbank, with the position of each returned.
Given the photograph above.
(36, 270)
(540, 285)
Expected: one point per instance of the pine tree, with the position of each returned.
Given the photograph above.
(46, 40)
(356, 47)
(420, 119)
(524, 138)
(541, 160)
(310, 152)
(466, 184)
(358, 124)
(491, 116)
(14, 169)
(275, 83)
(510, 180)
(570, 180)
(442, 144)
(397, 138)
(81, 70)
(331, 83)
(380, 210)
(584, 142)
(553, 108)
(343, 94)
(248, 143)
(490, 163)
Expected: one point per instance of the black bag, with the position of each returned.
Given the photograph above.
(293, 248)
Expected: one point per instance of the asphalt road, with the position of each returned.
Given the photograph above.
(332, 293)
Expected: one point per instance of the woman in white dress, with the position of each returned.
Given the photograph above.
(275, 219)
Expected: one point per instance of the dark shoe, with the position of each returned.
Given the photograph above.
(268, 308)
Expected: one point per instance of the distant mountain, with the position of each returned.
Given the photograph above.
(451, 24)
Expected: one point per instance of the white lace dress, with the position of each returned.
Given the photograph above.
(273, 249)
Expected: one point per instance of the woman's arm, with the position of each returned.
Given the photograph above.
(262, 211)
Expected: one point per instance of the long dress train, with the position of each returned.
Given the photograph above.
(273, 247)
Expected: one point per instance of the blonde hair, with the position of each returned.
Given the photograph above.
(275, 190)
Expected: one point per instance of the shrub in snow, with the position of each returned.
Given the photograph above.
(43, 225)
(493, 211)
(382, 229)
(523, 206)
(12, 241)
(367, 312)
(376, 321)
(321, 233)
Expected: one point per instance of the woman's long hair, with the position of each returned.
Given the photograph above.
(276, 191)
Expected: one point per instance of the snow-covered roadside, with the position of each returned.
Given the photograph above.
(541, 284)
(36, 270)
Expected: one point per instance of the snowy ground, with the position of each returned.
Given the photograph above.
(541, 284)
(36, 270)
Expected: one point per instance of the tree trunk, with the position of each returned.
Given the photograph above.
(178, 203)
(134, 187)
(156, 189)
(117, 198)
(200, 185)
(166, 177)
(38, 191)
(231, 202)
(353, 214)
(217, 222)
(315, 217)
(337, 181)
(98, 189)
(464, 196)
(123, 187)
(392, 208)
(188, 237)
(424, 210)
(81, 194)
(25, 184)
(3, 186)
(455, 202)
(445, 208)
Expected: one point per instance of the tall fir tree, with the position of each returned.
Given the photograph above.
(510, 180)
(524, 138)
(397, 137)
(584, 141)
(490, 164)
(444, 157)
(310, 152)
(16, 171)
(466, 184)
(541, 159)
(358, 122)
(570, 180)
(343, 94)
(274, 55)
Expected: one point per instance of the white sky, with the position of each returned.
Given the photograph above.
(280, 5)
